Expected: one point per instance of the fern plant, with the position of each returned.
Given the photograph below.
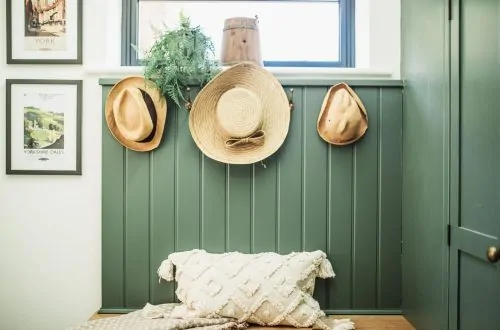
(179, 57)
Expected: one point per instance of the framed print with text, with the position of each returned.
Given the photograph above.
(44, 125)
(44, 31)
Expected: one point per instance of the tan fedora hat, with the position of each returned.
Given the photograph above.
(343, 118)
(136, 113)
(241, 116)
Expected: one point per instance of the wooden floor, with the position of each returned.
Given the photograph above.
(362, 322)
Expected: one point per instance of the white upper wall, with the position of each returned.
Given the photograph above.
(378, 34)
(50, 226)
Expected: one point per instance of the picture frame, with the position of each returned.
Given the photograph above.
(51, 31)
(44, 127)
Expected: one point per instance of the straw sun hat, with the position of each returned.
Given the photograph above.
(343, 118)
(136, 113)
(241, 116)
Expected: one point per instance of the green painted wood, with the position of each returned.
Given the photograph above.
(389, 199)
(474, 281)
(310, 195)
(113, 215)
(314, 183)
(264, 194)
(187, 187)
(162, 212)
(136, 228)
(425, 163)
(365, 218)
(289, 174)
(479, 291)
(341, 224)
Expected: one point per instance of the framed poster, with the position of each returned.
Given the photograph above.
(44, 31)
(44, 121)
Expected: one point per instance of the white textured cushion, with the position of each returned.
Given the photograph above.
(263, 288)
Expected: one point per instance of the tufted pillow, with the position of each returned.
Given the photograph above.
(265, 288)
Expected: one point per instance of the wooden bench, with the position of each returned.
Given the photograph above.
(363, 322)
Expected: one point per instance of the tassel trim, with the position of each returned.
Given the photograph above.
(325, 269)
(166, 270)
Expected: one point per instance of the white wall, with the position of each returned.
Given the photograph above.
(50, 225)
(50, 259)
(378, 35)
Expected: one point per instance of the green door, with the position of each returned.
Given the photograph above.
(475, 165)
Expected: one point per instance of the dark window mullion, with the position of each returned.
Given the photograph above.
(130, 31)
(347, 33)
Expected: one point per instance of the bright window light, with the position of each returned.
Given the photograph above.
(290, 31)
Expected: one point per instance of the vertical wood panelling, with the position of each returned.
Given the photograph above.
(365, 234)
(136, 228)
(162, 214)
(113, 253)
(314, 182)
(289, 181)
(213, 205)
(310, 195)
(340, 224)
(188, 186)
(390, 200)
(239, 233)
(264, 207)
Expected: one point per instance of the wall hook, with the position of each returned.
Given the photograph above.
(290, 99)
(188, 102)
(263, 164)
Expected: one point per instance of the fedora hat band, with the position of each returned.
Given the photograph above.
(152, 114)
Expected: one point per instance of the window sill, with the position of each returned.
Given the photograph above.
(289, 76)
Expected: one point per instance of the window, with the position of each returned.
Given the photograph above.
(308, 33)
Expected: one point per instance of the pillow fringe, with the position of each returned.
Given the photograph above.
(166, 270)
(325, 269)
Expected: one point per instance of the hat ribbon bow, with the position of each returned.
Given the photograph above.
(256, 138)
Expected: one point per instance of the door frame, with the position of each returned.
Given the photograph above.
(454, 232)
(452, 151)
(453, 57)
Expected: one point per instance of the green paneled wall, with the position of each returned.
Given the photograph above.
(345, 201)
(426, 162)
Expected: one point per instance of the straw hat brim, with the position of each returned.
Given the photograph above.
(275, 111)
(160, 105)
(322, 123)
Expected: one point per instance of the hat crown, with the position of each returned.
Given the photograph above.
(241, 116)
(345, 118)
(132, 115)
(239, 112)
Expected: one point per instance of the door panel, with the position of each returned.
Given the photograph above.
(477, 308)
(475, 164)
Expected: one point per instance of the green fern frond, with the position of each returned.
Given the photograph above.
(179, 57)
